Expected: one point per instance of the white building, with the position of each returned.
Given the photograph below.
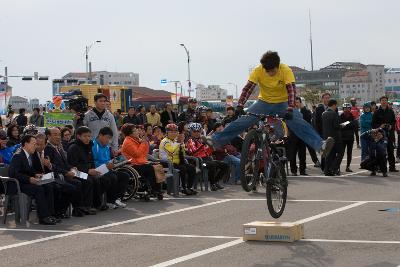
(364, 85)
(392, 83)
(34, 103)
(212, 92)
(97, 77)
(18, 102)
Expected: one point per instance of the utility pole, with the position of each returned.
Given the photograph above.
(188, 67)
(311, 44)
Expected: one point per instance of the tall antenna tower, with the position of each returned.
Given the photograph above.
(311, 45)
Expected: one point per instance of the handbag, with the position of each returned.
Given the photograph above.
(159, 172)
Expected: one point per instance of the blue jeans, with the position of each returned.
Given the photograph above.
(234, 161)
(300, 127)
(364, 148)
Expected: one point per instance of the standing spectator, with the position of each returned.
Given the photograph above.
(356, 114)
(307, 116)
(21, 119)
(314, 108)
(10, 119)
(13, 135)
(36, 119)
(373, 106)
(384, 118)
(211, 121)
(118, 118)
(99, 117)
(153, 117)
(365, 125)
(168, 115)
(141, 115)
(230, 115)
(319, 110)
(66, 138)
(347, 133)
(189, 115)
(331, 128)
(131, 117)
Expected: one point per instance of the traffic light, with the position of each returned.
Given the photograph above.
(43, 78)
(27, 78)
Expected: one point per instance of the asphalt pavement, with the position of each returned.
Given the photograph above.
(345, 225)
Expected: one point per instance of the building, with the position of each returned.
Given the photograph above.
(363, 85)
(212, 92)
(392, 83)
(4, 97)
(34, 103)
(97, 77)
(18, 102)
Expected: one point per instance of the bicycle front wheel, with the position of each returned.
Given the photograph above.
(249, 163)
(276, 192)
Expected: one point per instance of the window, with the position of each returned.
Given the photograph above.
(348, 86)
(390, 80)
(395, 80)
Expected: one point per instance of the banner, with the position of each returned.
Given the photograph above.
(52, 119)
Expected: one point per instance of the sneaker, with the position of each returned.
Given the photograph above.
(348, 169)
(327, 146)
(119, 203)
(219, 186)
(111, 206)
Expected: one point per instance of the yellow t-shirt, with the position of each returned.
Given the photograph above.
(272, 89)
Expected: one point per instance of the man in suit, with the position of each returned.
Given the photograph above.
(318, 118)
(168, 115)
(69, 189)
(21, 168)
(332, 128)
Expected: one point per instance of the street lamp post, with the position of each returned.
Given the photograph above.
(188, 62)
(87, 49)
(236, 89)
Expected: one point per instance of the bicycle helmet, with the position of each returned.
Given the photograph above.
(367, 105)
(346, 105)
(30, 129)
(201, 109)
(195, 126)
(171, 127)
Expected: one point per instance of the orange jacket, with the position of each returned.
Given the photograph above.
(134, 151)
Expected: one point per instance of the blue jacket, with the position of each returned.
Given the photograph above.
(366, 122)
(376, 149)
(101, 154)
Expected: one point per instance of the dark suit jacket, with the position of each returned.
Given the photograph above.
(165, 117)
(318, 118)
(20, 169)
(58, 160)
(37, 165)
(331, 126)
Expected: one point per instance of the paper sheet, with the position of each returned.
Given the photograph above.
(79, 174)
(102, 169)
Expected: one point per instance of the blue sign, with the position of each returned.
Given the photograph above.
(164, 81)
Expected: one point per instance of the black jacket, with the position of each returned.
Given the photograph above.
(188, 116)
(58, 160)
(318, 118)
(165, 117)
(80, 156)
(348, 130)
(307, 115)
(331, 126)
(129, 119)
(385, 116)
(20, 169)
(21, 120)
(37, 165)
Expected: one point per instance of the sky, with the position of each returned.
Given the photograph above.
(225, 37)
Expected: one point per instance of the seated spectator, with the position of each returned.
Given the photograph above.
(168, 116)
(36, 118)
(66, 137)
(69, 189)
(118, 118)
(13, 135)
(131, 117)
(230, 115)
(79, 156)
(136, 149)
(196, 148)
(228, 154)
(211, 121)
(141, 115)
(377, 157)
(173, 150)
(153, 117)
(101, 152)
(22, 169)
(72, 130)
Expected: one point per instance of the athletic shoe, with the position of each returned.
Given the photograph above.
(327, 146)
(219, 186)
(119, 203)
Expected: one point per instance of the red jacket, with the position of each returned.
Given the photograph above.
(196, 148)
(356, 112)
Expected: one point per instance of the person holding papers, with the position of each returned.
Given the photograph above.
(70, 189)
(348, 127)
(79, 156)
(21, 168)
(101, 152)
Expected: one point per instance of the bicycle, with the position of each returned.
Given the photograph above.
(263, 163)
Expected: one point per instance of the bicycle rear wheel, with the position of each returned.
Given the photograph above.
(249, 164)
(276, 191)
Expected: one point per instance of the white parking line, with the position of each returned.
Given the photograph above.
(109, 225)
(319, 216)
(199, 253)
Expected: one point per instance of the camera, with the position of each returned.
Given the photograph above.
(79, 104)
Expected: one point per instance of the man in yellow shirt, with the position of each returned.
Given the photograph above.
(153, 117)
(276, 83)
